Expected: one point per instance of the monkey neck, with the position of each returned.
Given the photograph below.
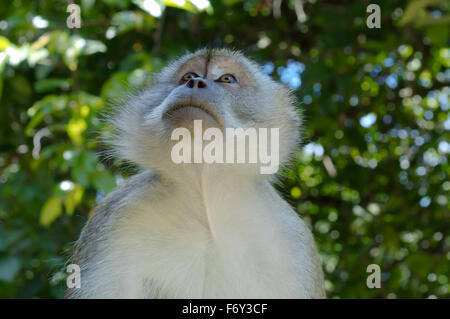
(214, 194)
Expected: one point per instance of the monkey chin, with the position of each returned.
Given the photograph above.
(186, 115)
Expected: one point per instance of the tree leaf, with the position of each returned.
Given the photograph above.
(9, 267)
(50, 211)
(73, 198)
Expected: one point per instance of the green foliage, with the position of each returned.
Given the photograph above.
(372, 179)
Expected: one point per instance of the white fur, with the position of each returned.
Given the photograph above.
(210, 235)
(198, 230)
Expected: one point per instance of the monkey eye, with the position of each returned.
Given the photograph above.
(227, 78)
(188, 76)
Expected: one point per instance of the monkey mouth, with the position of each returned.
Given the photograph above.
(190, 108)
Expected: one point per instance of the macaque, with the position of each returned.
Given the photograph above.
(199, 230)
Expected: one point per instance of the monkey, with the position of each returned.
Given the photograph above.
(199, 230)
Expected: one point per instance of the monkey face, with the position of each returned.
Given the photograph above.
(207, 88)
(220, 87)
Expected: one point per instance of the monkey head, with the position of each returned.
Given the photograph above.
(222, 88)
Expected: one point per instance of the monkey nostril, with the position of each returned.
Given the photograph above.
(201, 84)
(190, 83)
(195, 83)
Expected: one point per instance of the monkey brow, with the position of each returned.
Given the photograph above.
(209, 54)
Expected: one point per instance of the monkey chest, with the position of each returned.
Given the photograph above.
(239, 261)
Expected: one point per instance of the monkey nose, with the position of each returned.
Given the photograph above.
(197, 82)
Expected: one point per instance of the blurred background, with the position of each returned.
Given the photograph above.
(372, 178)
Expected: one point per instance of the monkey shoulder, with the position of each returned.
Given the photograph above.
(106, 214)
